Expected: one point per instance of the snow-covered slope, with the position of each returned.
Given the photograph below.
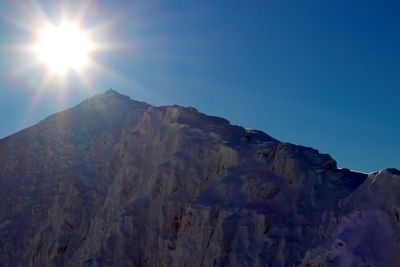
(116, 182)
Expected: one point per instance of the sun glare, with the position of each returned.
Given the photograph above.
(64, 47)
(61, 46)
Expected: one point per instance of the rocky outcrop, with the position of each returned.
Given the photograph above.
(116, 182)
(365, 229)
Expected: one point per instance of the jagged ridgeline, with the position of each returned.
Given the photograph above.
(116, 182)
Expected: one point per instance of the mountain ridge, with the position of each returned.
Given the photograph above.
(113, 92)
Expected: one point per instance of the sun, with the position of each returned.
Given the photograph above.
(63, 47)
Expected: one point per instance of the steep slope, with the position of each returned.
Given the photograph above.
(116, 182)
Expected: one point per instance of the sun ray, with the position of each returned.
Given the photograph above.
(63, 83)
(37, 96)
(85, 80)
(33, 14)
(81, 13)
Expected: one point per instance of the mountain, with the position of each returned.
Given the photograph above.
(116, 182)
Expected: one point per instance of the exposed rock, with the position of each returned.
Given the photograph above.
(116, 182)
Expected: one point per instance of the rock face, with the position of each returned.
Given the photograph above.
(115, 182)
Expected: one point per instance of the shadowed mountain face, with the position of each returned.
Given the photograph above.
(115, 182)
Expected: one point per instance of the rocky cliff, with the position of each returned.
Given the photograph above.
(116, 182)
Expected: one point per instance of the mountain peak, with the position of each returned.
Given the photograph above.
(111, 91)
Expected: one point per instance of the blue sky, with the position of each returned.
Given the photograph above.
(324, 74)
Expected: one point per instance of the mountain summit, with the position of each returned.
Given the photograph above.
(117, 182)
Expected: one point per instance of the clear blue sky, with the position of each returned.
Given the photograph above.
(318, 73)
